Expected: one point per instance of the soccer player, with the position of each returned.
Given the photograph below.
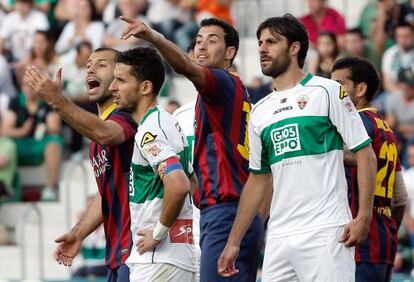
(112, 135)
(375, 257)
(159, 192)
(221, 142)
(296, 136)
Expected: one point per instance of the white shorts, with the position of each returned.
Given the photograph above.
(159, 272)
(315, 256)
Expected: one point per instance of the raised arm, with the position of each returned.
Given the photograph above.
(86, 123)
(175, 57)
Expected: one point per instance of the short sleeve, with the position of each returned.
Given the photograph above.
(369, 125)
(153, 145)
(127, 123)
(258, 159)
(219, 83)
(345, 118)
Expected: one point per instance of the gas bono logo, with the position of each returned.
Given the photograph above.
(286, 139)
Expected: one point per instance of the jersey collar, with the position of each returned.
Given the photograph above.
(107, 112)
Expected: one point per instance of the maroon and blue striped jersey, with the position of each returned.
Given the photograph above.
(221, 153)
(381, 245)
(111, 166)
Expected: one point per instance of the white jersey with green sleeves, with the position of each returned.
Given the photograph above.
(185, 116)
(158, 138)
(298, 135)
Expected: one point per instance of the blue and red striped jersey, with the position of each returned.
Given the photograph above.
(221, 153)
(381, 245)
(111, 166)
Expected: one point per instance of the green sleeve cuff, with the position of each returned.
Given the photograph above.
(362, 145)
(260, 171)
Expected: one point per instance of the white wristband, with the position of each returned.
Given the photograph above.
(160, 231)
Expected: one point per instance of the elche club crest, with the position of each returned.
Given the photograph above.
(302, 101)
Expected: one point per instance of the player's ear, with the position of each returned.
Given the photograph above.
(230, 53)
(146, 88)
(361, 89)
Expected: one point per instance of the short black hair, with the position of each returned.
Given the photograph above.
(360, 70)
(192, 44)
(146, 64)
(103, 49)
(357, 31)
(231, 36)
(292, 29)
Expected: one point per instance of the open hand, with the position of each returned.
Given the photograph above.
(68, 248)
(42, 85)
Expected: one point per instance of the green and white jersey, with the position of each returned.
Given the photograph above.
(298, 135)
(185, 116)
(158, 138)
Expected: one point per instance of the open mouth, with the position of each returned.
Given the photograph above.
(92, 83)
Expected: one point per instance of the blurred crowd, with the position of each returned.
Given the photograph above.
(63, 33)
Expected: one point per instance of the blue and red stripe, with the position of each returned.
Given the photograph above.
(220, 127)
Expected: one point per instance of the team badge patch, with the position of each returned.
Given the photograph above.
(342, 93)
(302, 101)
(148, 137)
(152, 149)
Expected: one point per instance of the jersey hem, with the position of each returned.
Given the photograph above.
(305, 230)
(167, 261)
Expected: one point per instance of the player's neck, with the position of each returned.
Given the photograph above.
(103, 106)
(362, 105)
(289, 79)
(143, 107)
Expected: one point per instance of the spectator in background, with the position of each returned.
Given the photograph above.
(379, 21)
(323, 18)
(7, 89)
(407, 12)
(166, 16)
(41, 54)
(400, 109)
(399, 56)
(258, 89)
(129, 8)
(220, 9)
(73, 76)
(8, 164)
(83, 26)
(19, 27)
(357, 46)
(327, 53)
(42, 5)
(172, 106)
(35, 128)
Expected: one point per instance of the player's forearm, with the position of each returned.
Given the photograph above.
(251, 198)
(86, 123)
(367, 168)
(171, 53)
(176, 189)
(90, 220)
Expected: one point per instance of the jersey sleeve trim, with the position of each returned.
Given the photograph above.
(362, 145)
(260, 171)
